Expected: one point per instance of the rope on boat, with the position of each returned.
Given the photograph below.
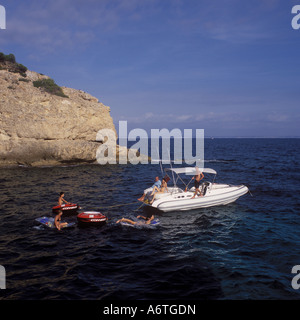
(121, 204)
(139, 207)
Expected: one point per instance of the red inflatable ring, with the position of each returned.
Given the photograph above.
(91, 218)
(69, 207)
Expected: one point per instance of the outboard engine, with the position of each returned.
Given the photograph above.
(204, 187)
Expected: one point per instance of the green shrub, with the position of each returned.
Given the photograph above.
(13, 66)
(7, 57)
(11, 58)
(50, 86)
(18, 68)
(21, 68)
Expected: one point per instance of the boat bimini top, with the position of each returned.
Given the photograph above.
(191, 171)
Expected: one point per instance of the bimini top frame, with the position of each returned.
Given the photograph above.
(188, 171)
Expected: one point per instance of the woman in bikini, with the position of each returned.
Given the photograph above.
(162, 189)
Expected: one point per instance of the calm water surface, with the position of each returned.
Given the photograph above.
(244, 250)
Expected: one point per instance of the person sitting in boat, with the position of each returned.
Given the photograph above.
(61, 199)
(198, 178)
(57, 221)
(162, 189)
(147, 220)
(148, 191)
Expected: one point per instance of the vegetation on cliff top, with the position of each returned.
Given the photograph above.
(8, 62)
(50, 86)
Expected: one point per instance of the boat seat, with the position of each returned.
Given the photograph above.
(161, 195)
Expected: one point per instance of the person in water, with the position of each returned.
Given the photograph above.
(147, 220)
(57, 221)
(198, 178)
(61, 199)
(157, 184)
(162, 189)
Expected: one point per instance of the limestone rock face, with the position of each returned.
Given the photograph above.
(38, 128)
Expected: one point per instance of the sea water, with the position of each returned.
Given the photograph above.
(244, 250)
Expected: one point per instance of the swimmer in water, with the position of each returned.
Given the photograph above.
(147, 220)
(57, 220)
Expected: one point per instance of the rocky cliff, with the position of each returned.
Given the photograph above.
(40, 128)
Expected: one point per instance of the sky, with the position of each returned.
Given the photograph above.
(230, 67)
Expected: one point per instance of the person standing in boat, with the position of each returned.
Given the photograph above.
(61, 199)
(148, 191)
(198, 178)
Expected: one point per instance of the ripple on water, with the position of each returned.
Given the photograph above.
(243, 250)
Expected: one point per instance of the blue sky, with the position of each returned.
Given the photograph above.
(230, 67)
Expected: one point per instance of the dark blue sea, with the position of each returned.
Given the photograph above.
(244, 250)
